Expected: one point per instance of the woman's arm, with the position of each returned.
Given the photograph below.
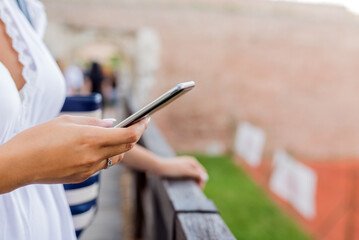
(142, 159)
(64, 150)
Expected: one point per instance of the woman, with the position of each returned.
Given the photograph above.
(37, 150)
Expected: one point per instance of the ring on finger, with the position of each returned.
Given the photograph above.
(109, 163)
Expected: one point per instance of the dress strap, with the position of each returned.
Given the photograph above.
(23, 7)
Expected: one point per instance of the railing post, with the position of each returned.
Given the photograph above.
(140, 185)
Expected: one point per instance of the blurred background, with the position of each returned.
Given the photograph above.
(273, 116)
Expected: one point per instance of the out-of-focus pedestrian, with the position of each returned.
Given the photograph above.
(96, 77)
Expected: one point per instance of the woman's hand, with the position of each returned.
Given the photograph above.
(183, 166)
(142, 159)
(64, 150)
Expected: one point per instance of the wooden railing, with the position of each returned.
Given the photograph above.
(169, 209)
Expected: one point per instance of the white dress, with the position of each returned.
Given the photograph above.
(38, 211)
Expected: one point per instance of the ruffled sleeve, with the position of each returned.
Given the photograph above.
(38, 16)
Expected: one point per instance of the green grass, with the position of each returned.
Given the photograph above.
(246, 209)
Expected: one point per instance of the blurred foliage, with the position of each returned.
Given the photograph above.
(247, 210)
(115, 62)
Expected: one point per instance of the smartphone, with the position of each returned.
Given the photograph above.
(157, 104)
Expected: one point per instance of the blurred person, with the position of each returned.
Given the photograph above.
(39, 152)
(74, 78)
(96, 77)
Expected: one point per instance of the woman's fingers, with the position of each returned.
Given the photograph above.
(105, 142)
(198, 175)
(90, 121)
(113, 151)
(198, 168)
(103, 164)
(114, 160)
(202, 170)
(117, 136)
(106, 136)
(197, 171)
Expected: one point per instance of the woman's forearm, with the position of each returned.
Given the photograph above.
(12, 175)
(141, 159)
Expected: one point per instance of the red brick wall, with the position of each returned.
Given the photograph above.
(289, 71)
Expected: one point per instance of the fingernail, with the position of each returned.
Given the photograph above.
(109, 121)
(204, 177)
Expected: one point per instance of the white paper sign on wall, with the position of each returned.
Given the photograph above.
(249, 143)
(294, 182)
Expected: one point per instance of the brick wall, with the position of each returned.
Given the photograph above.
(291, 69)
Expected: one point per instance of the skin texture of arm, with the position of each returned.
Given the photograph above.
(67, 149)
(142, 159)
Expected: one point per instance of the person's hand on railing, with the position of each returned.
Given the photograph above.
(64, 150)
(142, 159)
(183, 166)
